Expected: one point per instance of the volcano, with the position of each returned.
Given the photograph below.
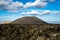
(28, 20)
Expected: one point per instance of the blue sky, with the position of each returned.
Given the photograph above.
(47, 10)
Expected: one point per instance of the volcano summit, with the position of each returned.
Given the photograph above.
(28, 20)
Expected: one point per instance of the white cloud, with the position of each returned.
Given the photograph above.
(46, 11)
(40, 12)
(3, 5)
(15, 6)
(32, 12)
(9, 5)
(37, 3)
(27, 5)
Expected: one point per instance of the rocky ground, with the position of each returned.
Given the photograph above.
(29, 32)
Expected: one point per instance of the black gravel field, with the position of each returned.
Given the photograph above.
(29, 32)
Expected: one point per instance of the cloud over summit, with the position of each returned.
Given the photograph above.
(40, 12)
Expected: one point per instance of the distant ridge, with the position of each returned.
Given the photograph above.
(5, 22)
(28, 20)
